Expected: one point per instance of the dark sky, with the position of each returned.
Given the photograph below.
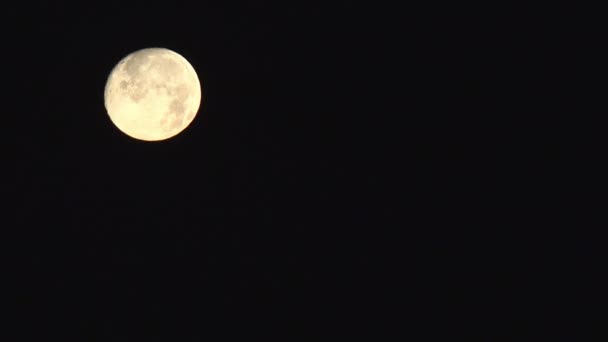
(352, 167)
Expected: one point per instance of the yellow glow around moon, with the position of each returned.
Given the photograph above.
(152, 94)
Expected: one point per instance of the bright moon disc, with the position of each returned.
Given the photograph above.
(152, 94)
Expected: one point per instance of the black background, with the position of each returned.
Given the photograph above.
(353, 167)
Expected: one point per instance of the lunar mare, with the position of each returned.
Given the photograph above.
(152, 94)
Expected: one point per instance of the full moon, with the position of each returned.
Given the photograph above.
(152, 94)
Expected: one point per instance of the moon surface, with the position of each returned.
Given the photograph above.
(152, 94)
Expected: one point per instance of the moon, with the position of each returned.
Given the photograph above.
(152, 94)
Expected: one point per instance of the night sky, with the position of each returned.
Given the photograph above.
(353, 167)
